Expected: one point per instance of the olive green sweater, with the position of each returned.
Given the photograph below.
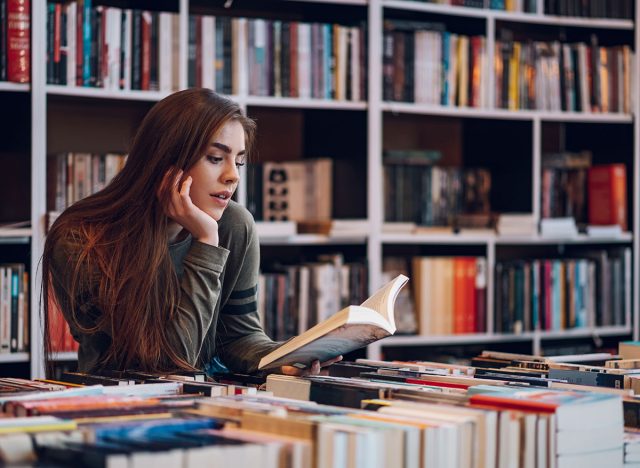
(217, 311)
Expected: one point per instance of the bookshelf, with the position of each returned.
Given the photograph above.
(49, 109)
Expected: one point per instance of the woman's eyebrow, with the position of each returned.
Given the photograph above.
(225, 148)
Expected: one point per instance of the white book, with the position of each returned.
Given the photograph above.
(72, 9)
(304, 60)
(351, 328)
(355, 64)
(114, 24)
(126, 47)
(240, 75)
(208, 52)
(165, 51)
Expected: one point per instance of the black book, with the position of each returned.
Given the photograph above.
(285, 59)
(50, 42)
(409, 68)
(227, 52)
(91, 379)
(64, 48)
(97, 46)
(154, 81)
(192, 51)
(136, 48)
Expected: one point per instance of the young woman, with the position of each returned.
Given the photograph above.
(158, 271)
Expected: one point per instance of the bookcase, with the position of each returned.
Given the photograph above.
(354, 134)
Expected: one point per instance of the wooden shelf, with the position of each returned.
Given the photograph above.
(15, 87)
(520, 17)
(503, 114)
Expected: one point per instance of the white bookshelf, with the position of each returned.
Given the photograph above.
(14, 357)
(374, 12)
(14, 87)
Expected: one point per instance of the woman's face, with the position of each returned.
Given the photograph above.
(215, 175)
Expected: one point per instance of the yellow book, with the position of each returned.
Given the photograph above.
(514, 75)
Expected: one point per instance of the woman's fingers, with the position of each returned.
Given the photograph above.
(331, 361)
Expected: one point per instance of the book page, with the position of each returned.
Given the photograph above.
(337, 342)
(382, 301)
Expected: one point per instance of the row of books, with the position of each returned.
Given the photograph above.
(572, 187)
(14, 308)
(506, 410)
(525, 6)
(424, 63)
(291, 190)
(433, 195)
(264, 57)
(555, 76)
(112, 48)
(559, 294)
(450, 294)
(15, 42)
(74, 176)
(292, 299)
(620, 9)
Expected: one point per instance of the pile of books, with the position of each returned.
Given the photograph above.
(503, 410)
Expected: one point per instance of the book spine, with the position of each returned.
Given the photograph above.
(18, 41)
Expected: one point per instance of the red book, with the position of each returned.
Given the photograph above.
(470, 292)
(146, 50)
(607, 189)
(18, 42)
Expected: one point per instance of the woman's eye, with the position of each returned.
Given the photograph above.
(239, 163)
(214, 159)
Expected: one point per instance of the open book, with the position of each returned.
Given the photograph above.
(351, 328)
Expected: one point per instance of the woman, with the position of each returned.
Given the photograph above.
(158, 271)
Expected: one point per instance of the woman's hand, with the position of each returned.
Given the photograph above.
(316, 368)
(181, 209)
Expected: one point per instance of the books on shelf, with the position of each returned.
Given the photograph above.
(607, 185)
(112, 48)
(351, 328)
(424, 63)
(416, 191)
(293, 298)
(555, 76)
(450, 294)
(517, 224)
(564, 185)
(590, 289)
(15, 41)
(74, 176)
(14, 308)
(622, 9)
(272, 57)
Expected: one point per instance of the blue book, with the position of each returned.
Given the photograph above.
(446, 48)
(327, 60)
(86, 43)
(152, 428)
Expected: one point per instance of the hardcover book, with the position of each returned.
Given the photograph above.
(352, 328)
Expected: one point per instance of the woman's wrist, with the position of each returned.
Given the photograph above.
(211, 240)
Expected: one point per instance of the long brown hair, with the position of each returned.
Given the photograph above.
(121, 236)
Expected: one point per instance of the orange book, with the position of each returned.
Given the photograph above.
(607, 188)
(471, 311)
(459, 295)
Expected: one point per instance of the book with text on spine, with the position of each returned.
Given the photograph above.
(352, 328)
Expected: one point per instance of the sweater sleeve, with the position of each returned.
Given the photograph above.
(200, 289)
(241, 341)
